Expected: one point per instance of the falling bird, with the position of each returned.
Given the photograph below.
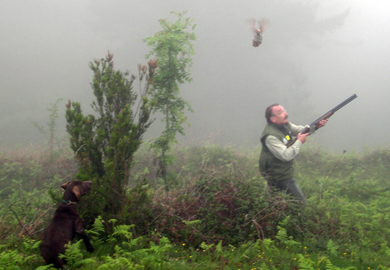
(258, 31)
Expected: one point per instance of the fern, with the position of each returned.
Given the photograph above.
(74, 256)
(267, 244)
(121, 232)
(97, 226)
(156, 255)
(330, 266)
(218, 248)
(192, 223)
(46, 267)
(385, 249)
(332, 248)
(133, 244)
(305, 263)
(282, 234)
(10, 259)
(206, 247)
(118, 263)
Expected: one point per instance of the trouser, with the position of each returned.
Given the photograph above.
(289, 186)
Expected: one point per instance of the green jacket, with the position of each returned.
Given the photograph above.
(271, 168)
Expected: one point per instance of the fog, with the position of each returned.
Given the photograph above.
(314, 55)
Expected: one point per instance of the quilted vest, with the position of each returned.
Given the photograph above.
(271, 168)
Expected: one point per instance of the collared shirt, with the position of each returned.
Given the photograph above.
(280, 150)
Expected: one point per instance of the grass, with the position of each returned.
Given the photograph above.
(217, 213)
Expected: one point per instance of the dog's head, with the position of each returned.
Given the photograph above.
(78, 188)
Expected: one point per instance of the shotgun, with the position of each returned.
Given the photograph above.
(324, 116)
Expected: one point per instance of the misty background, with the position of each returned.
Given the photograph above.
(314, 55)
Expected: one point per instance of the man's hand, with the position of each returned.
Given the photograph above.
(302, 137)
(321, 123)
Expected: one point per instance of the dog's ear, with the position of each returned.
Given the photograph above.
(76, 191)
(65, 185)
(87, 185)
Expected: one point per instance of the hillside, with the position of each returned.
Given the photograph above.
(217, 213)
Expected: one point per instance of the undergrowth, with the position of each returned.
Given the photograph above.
(217, 214)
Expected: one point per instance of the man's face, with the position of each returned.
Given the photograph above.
(280, 116)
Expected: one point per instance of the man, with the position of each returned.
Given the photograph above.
(276, 159)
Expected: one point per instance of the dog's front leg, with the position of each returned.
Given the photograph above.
(80, 231)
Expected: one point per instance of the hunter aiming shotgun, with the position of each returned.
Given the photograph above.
(325, 116)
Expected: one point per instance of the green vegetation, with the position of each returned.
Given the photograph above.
(49, 133)
(173, 48)
(104, 145)
(218, 214)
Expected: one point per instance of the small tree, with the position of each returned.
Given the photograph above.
(50, 131)
(172, 47)
(104, 145)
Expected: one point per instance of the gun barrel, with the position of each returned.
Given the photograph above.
(335, 109)
(345, 102)
(325, 116)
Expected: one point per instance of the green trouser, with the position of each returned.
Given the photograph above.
(289, 186)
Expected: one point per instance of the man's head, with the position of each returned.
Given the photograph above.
(276, 114)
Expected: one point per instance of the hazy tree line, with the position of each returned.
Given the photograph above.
(271, 75)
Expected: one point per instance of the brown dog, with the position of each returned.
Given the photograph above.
(65, 224)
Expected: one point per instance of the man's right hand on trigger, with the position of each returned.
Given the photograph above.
(302, 137)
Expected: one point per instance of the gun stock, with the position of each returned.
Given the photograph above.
(326, 115)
